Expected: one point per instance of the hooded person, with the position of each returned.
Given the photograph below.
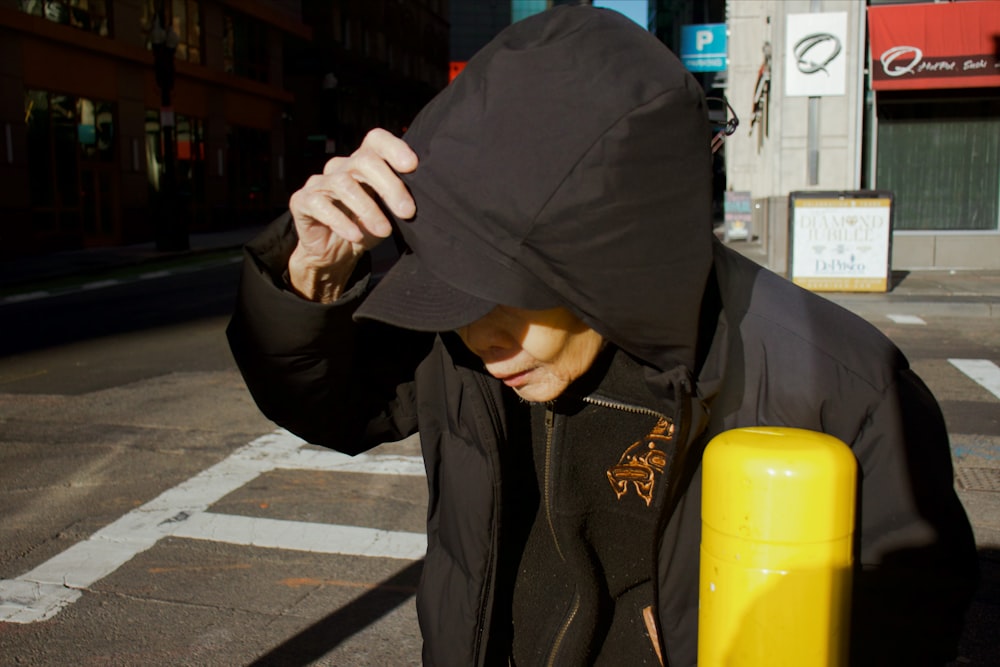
(563, 184)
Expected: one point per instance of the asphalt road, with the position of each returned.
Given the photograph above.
(151, 516)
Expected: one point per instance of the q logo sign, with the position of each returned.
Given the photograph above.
(890, 56)
(814, 52)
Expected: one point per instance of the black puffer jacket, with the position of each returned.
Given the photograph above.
(778, 356)
(527, 198)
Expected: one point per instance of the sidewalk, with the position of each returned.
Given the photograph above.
(936, 293)
(944, 293)
(28, 271)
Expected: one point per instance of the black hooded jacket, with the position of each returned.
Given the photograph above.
(569, 165)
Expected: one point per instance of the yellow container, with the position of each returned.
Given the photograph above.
(777, 526)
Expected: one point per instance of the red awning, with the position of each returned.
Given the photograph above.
(929, 45)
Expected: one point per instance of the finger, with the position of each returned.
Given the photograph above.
(333, 164)
(317, 217)
(342, 203)
(392, 149)
(373, 171)
(363, 201)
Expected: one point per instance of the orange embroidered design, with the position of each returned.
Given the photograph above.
(641, 462)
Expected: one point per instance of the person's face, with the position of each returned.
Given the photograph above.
(537, 353)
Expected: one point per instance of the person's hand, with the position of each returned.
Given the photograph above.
(337, 214)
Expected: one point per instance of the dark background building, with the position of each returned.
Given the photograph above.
(260, 92)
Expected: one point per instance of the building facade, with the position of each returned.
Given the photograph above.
(123, 121)
(896, 97)
(371, 63)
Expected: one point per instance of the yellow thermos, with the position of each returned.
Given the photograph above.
(777, 525)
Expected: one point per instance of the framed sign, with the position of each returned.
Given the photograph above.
(840, 241)
(815, 55)
(737, 215)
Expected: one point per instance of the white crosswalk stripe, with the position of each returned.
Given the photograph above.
(983, 371)
(182, 512)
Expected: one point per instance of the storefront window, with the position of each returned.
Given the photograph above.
(154, 150)
(184, 17)
(244, 47)
(90, 15)
(71, 144)
(189, 163)
(941, 159)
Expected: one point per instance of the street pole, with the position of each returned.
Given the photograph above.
(170, 230)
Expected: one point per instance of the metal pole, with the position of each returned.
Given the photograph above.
(812, 138)
(171, 232)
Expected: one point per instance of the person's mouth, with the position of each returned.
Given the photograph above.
(514, 380)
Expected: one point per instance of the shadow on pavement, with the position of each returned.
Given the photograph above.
(325, 635)
(122, 308)
(979, 646)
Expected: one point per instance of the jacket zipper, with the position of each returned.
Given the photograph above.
(624, 407)
(562, 631)
(547, 493)
(494, 411)
(550, 419)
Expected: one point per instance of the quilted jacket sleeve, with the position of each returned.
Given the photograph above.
(310, 368)
(795, 359)
(917, 558)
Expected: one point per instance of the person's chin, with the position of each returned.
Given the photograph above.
(538, 393)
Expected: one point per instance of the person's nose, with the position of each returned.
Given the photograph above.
(488, 341)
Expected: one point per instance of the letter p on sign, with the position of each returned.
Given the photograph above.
(702, 39)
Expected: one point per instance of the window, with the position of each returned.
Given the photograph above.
(244, 47)
(90, 15)
(249, 174)
(183, 17)
(188, 146)
(71, 144)
(941, 158)
(520, 9)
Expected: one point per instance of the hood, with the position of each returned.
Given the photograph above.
(569, 164)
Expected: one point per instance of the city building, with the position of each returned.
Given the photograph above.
(371, 63)
(856, 98)
(126, 121)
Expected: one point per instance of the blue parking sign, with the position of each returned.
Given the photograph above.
(703, 47)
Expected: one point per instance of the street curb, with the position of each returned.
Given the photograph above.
(958, 307)
(27, 283)
(89, 279)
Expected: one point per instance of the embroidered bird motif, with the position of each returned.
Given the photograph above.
(642, 462)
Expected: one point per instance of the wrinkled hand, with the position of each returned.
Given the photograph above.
(337, 214)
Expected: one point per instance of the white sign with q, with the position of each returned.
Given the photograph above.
(816, 55)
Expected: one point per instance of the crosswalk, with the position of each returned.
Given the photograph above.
(184, 511)
(983, 371)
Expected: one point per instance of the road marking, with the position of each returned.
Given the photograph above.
(983, 371)
(301, 536)
(298, 582)
(41, 593)
(905, 319)
(4, 379)
(100, 284)
(27, 296)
